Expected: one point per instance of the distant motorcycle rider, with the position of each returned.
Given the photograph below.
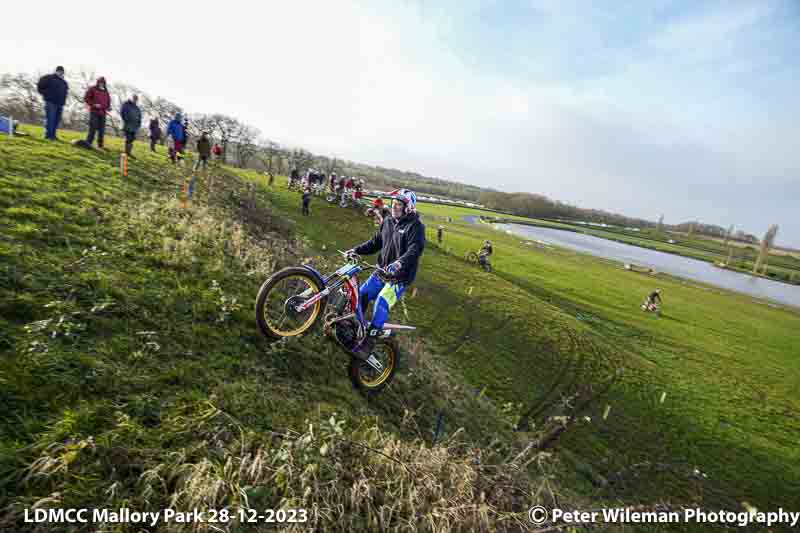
(485, 251)
(400, 241)
(653, 296)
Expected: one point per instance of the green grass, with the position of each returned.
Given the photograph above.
(151, 336)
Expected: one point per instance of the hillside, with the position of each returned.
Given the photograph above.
(134, 374)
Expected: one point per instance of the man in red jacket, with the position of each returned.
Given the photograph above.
(99, 102)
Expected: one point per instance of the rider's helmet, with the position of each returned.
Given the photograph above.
(658, 291)
(407, 196)
(488, 242)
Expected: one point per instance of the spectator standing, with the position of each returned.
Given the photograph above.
(155, 133)
(176, 130)
(217, 151)
(99, 102)
(185, 135)
(203, 151)
(54, 89)
(306, 200)
(131, 122)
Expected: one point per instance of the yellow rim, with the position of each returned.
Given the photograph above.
(383, 376)
(307, 324)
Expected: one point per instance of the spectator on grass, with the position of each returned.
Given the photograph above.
(185, 133)
(54, 90)
(99, 102)
(306, 200)
(176, 130)
(155, 133)
(217, 151)
(203, 151)
(131, 122)
(439, 231)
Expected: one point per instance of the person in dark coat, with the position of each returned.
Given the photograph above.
(99, 102)
(54, 89)
(400, 241)
(155, 133)
(306, 200)
(203, 151)
(185, 134)
(131, 121)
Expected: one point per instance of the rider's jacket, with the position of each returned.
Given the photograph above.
(486, 249)
(401, 240)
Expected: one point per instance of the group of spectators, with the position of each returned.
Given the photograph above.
(54, 90)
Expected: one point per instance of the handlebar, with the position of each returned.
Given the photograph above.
(384, 274)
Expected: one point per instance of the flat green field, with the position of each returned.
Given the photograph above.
(700, 405)
(729, 365)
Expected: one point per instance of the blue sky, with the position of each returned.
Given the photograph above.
(682, 108)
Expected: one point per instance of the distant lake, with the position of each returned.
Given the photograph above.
(675, 265)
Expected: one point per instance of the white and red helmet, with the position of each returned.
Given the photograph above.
(407, 196)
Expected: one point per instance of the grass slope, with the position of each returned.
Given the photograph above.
(132, 374)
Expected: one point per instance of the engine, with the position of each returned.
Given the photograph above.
(346, 332)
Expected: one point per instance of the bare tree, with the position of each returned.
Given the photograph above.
(301, 160)
(330, 165)
(159, 108)
(660, 227)
(766, 243)
(270, 155)
(20, 98)
(245, 142)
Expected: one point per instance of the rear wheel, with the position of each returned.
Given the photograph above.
(276, 312)
(365, 378)
(472, 257)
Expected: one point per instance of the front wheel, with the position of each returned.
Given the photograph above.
(276, 312)
(366, 379)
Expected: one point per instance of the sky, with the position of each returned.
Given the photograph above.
(683, 108)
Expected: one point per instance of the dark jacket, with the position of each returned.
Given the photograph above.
(401, 240)
(155, 129)
(131, 117)
(98, 100)
(53, 89)
(204, 146)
